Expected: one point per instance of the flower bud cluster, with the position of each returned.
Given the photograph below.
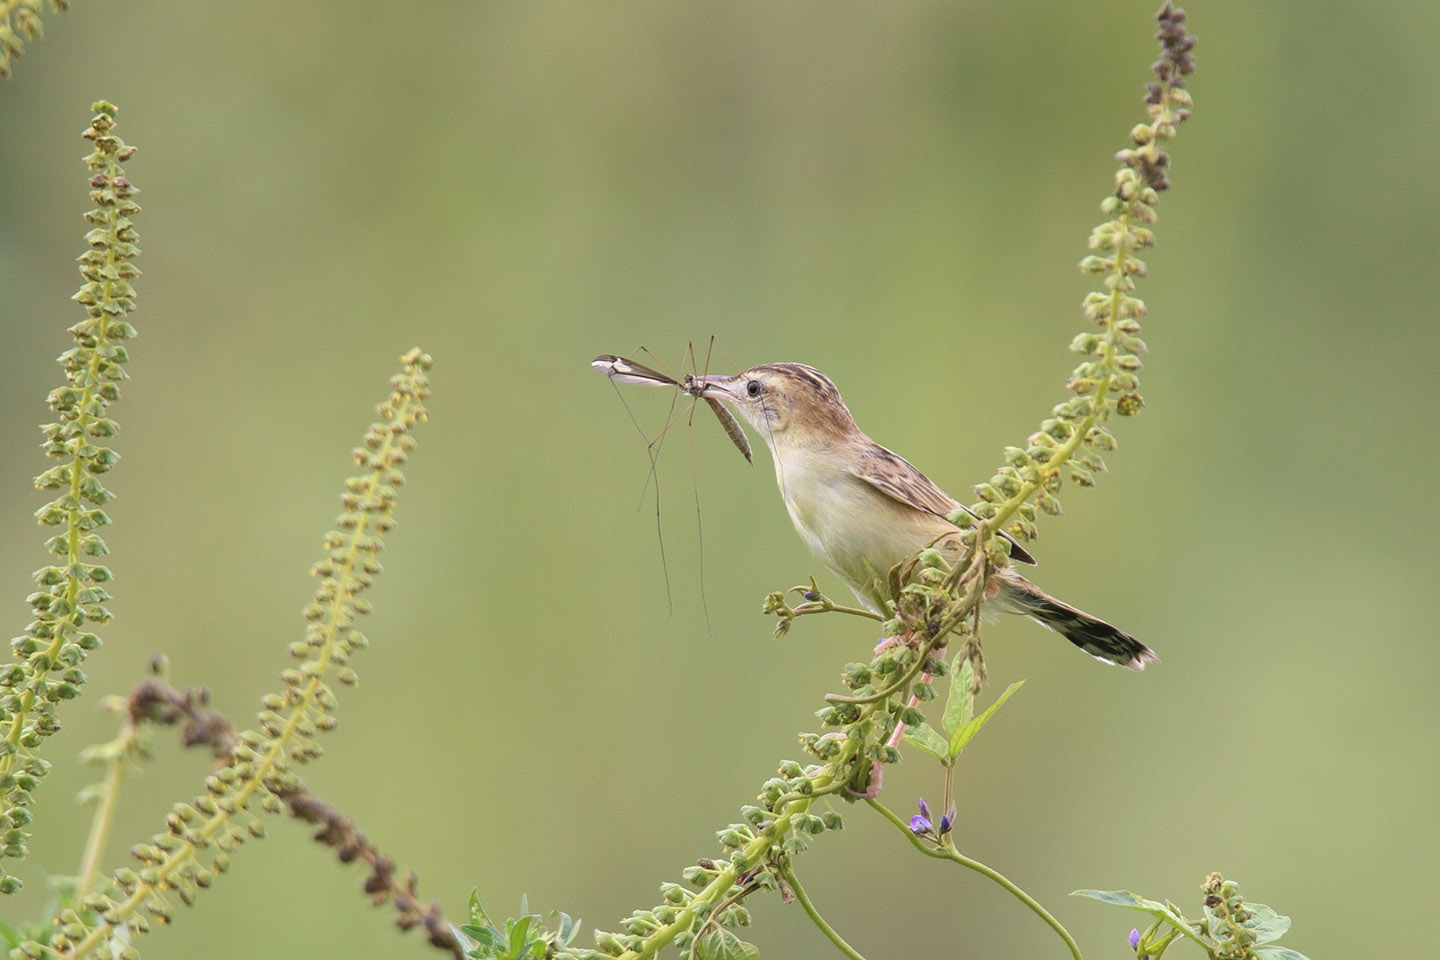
(20, 24)
(1226, 918)
(71, 597)
(1073, 438)
(781, 824)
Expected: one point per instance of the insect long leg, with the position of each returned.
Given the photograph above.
(650, 450)
(624, 370)
(653, 446)
(729, 359)
(695, 484)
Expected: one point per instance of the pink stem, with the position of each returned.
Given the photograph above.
(900, 727)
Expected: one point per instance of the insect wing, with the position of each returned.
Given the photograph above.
(628, 371)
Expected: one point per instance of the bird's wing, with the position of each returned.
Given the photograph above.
(898, 479)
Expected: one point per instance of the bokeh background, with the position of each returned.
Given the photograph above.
(897, 194)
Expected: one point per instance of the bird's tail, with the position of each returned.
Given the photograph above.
(1102, 641)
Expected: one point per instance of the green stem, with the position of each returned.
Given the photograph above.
(105, 805)
(809, 908)
(948, 852)
(824, 605)
(1072, 443)
(949, 791)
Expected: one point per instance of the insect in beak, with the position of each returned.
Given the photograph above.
(621, 370)
(712, 387)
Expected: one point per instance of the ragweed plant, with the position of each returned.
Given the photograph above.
(103, 918)
(1107, 383)
(20, 24)
(199, 836)
(71, 597)
(1231, 928)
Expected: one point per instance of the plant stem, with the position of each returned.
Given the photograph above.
(105, 804)
(814, 915)
(825, 605)
(948, 852)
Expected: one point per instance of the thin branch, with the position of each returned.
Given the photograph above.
(814, 915)
(948, 852)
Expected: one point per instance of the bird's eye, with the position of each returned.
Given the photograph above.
(753, 388)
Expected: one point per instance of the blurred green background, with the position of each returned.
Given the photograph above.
(895, 193)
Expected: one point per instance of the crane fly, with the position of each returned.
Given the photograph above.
(621, 370)
(624, 370)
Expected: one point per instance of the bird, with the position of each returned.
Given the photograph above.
(861, 508)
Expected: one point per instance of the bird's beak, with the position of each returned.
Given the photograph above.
(717, 387)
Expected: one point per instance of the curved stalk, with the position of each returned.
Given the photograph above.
(804, 900)
(948, 852)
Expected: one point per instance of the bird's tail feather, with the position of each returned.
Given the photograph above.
(1101, 640)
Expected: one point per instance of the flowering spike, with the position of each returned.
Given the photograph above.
(56, 641)
(1107, 380)
(20, 23)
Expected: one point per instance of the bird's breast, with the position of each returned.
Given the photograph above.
(850, 526)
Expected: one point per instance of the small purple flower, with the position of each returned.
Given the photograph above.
(920, 823)
(1135, 940)
(811, 595)
(946, 822)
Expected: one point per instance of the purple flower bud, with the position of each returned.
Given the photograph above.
(919, 825)
(946, 822)
(1135, 940)
(924, 809)
(811, 595)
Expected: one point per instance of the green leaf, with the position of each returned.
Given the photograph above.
(568, 928)
(1266, 924)
(925, 737)
(487, 939)
(1280, 953)
(520, 936)
(1124, 898)
(9, 935)
(721, 944)
(967, 730)
(960, 705)
(477, 912)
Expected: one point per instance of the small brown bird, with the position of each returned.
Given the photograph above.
(861, 509)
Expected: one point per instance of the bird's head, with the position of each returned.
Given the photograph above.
(789, 404)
